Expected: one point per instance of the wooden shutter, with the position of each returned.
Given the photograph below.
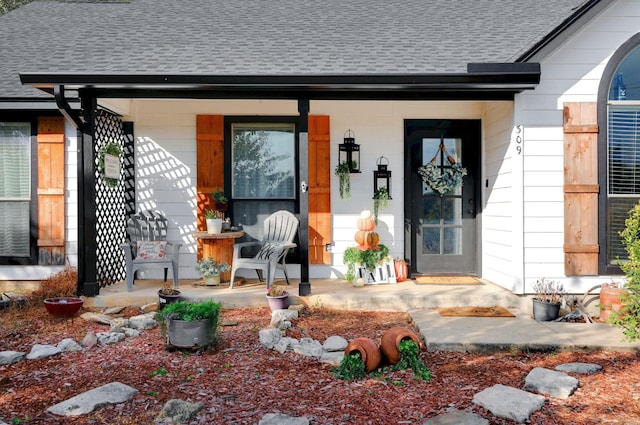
(210, 162)
(580, 189)
(51, 206)
(319, 189)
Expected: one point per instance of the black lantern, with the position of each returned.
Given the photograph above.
(349, 152)
(381, 178)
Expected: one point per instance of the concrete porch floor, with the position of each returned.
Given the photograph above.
(330, 293)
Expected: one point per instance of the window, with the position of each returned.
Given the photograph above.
(622, 150)
(263, 171)
(15, 189)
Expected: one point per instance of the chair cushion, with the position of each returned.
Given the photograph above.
(151, 249)
(269, 251)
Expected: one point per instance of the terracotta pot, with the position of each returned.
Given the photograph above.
(390, 342)
(401, 269)
(610, 301)
(368, 350)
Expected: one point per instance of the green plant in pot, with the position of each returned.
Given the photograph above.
(368, 258)
(167, 295)
(190, 324)
(220, 199)
(380, 200)
(343, 172)
(548, 299)
(210, 270)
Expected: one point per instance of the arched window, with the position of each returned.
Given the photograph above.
(619, 150)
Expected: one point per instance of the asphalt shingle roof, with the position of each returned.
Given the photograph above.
(281, 37)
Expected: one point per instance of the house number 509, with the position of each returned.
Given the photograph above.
(519, 132)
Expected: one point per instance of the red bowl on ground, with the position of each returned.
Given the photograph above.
(63, 306)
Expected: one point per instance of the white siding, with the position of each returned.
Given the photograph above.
(571, 74)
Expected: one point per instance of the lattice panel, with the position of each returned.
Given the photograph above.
(113, 204)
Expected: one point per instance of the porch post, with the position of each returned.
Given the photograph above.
(87, 245)
(304, 288)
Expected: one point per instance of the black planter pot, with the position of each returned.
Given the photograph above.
(545, 311)
(168, 299)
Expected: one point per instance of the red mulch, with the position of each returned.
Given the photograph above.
(240, 381)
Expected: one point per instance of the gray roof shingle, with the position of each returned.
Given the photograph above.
(282, 37)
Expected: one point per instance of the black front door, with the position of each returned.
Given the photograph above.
(440, 215)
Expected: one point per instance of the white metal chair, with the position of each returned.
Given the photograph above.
(148, 246)
(280, 229)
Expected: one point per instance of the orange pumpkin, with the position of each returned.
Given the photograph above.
(367, 238)
(366, 224)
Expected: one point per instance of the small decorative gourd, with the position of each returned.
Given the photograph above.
(366, 236)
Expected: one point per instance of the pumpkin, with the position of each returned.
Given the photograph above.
(365, 221)
(367, 238)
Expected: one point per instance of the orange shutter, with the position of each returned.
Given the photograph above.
(580, 189)
(319, 189)
(210, 162)
(51, 208)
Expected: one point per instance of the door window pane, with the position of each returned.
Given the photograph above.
(15, 188)
(263, 161)
(452, 240)
(431, 241)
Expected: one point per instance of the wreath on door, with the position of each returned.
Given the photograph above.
(443, 179)
(113, 149)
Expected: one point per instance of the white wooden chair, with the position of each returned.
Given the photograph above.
(148, 246)
(280, 229)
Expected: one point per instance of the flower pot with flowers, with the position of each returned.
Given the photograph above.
(278, 297)
(211, 271)
(214, 220)
(546, 303)
(167, 295)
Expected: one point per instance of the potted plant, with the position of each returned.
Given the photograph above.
(167, 295)
(214, 221)
(190, 324)
(546, 303)
(220, 200)
(380, 200)
(368, 258)
(278, 297)
(211, 271)
(343, 172)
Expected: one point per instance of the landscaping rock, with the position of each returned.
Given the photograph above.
(178, 411)
(335, 343)
(547, 381)
(309, 347)
(286, 344)
(269, 337)
(508, 402)
(332, 357)
(103, 319)
(281, 319)
(113, 310)
(579, 367)
(144, 321)
(148, 308)
(282, 419)
(40, 351)
(89, 340)
(10, 357)
(106, 338)
(120, 322)
(457, 417)
(113, 393)
(69, 345)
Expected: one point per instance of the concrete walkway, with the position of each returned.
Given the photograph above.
(440, 333)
